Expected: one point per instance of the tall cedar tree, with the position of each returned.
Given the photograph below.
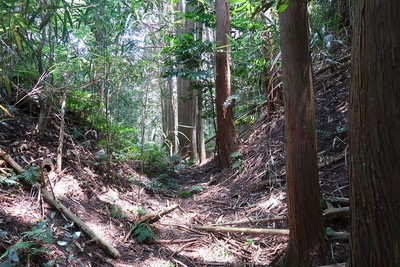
(374, 130)
(187, 102)
(307, 237)
(226, 134)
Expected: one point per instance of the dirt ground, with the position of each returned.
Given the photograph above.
(112, 202)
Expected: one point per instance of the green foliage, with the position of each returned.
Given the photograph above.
(12, 253)
(143, 233)
(249, 242)
(141, 211)
(32, 245)
(8, 181)
(164, 181)
(325, 26)
(196, 189)
(30, 175)
(116, 212)
(237, 161)
(40, 232)
(154, 158)
(137, 182)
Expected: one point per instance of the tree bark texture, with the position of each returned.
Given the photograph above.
(187, 102)
(168, 115)
(374, 130)
(307, 237)
(226, 134)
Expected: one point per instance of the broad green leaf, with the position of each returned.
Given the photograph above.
(232, 2)
(282, 5)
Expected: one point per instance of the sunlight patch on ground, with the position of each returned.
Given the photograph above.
(275, 200)
(67, 186)
(214, 253)
(150, 262)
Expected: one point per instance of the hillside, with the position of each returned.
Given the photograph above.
(111, 199)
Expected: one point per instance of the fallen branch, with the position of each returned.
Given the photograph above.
(333, 212)
(331, 161)
(68, 213)
(58, 205)
(255, 231)
(263, 220)
(343, 201)
(152, 217)
(10, 161)
(174, 241)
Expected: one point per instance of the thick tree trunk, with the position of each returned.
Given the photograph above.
(226, 134)
(307, 236)
(168, 116)
(374, 130)
(187, 103)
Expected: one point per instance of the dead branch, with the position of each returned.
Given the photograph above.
(10, 161)
(331, 161)
(339, 61)
(331, 212)
(58, 205)
(255, 231)
(174, 241)
(334, 212)
(344, 236)
(344, 201)
(263, 220)
(152, 217)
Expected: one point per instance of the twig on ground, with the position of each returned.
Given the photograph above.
(263, 220)
(254, 231)
(174, 241)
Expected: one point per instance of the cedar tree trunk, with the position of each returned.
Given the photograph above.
(226, 134)
(307, 236)
(374, 132)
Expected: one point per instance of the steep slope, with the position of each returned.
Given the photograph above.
(111, 202)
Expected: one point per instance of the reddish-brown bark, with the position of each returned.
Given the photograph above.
(374, 129)
(307, 237)
(226, 134)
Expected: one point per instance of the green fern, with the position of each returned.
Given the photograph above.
(7, 181)
(39, 232)
(143, 233)
(30, 175)
(11, 252)
(116, 212)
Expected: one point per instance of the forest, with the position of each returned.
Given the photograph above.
(195, 133)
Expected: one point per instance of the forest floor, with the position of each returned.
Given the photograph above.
(111, 202)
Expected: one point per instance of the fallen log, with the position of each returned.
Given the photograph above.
(53, 201)
(85, 228)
